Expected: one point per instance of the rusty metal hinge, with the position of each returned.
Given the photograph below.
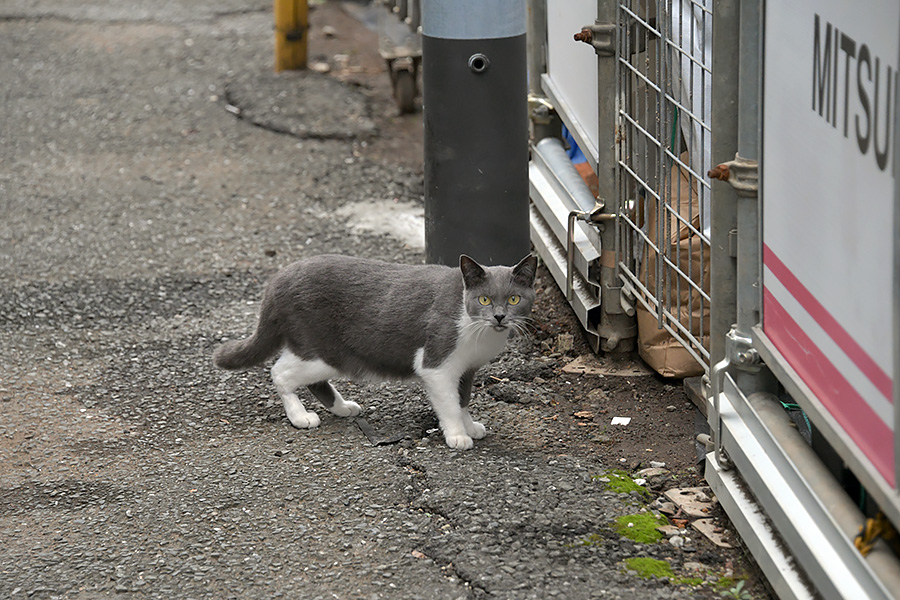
(602, 36)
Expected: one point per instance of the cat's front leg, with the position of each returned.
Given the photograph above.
(473, 428)
(444, 396)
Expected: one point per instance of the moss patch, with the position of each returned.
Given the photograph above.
(594, 539)
(728, 582)
(641, 527)
(648, 568)
(620, 482)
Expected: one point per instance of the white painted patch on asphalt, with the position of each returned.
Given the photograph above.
(404, 221)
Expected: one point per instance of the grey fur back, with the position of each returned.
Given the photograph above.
(368, 319)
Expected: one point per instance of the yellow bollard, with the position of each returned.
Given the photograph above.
(291, 27)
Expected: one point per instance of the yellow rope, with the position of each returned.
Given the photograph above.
(879, 527)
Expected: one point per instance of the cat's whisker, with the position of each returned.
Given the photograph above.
(530, 325)
(520, 329)
(474, 329)
(471, 329)
(529, 321)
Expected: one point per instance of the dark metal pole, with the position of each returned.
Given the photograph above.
(723, 250)
(476, 130)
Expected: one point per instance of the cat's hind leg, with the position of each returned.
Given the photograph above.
(289, 373)
(332, 400)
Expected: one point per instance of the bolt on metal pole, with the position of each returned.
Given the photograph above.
(475, 114)
(291, 26)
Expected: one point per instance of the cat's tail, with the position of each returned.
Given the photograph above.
(240, 354)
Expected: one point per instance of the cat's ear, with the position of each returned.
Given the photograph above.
(472, 272)
(524, 272)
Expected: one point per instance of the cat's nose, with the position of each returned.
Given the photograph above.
(499, 319)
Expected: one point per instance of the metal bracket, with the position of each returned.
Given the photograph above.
(717, 381)
(613, 298)
(602, 36)
(741, 173)
(739, 353)
(540, 109)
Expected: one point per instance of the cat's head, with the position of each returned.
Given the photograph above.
(499, 297)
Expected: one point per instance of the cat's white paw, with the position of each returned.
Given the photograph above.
(459, 442)
(346, 409)
(304, 420)
(476, 430)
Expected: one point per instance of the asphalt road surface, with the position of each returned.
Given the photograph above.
(153, 173)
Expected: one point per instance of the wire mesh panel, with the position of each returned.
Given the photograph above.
(664, 82)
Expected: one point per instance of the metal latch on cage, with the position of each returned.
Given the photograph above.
(595, 215)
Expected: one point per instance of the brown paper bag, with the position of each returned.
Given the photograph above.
(656, 345)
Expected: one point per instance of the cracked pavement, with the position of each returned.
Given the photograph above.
(147, 193)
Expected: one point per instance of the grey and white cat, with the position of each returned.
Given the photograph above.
(336, 316)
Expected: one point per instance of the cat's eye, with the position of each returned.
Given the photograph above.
(514, 299)
(484, 300)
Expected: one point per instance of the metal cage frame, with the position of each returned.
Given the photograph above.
(663, 72)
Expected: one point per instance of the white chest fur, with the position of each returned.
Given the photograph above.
(475, 347)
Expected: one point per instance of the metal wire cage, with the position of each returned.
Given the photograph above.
(663, 68)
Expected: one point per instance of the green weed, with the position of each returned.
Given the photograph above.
(737, 592)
